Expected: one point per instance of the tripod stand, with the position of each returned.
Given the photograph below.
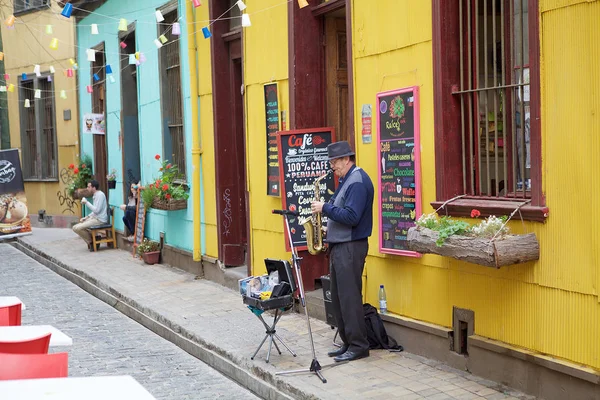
(314, 365)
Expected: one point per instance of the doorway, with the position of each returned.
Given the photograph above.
(230, 143)
(99, 107)
(130, 133)
(336, 74)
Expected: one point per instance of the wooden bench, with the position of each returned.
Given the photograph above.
(109, 232)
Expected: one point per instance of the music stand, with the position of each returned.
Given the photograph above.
(314, 365)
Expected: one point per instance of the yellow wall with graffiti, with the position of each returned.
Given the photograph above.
(26, 45)
(550, 306)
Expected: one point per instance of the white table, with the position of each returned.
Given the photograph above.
(10, 300)
(89, 388)
(27, 332)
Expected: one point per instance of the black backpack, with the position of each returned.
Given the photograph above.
(378, 338)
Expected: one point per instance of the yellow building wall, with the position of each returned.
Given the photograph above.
(265, 61)
(26, 45)
(550, 306)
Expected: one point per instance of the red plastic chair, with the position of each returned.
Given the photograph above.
(10, 315)
(33, 346)
(34, 366)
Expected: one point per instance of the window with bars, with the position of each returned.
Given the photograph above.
(23, 6)
(486, 77)
(38, 129)
(172, 98)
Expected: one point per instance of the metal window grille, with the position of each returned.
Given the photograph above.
(173, 100)
(494, 97)
(48, 132)
(29, 132)
(27, 5)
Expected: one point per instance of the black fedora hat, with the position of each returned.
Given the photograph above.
(339, 150)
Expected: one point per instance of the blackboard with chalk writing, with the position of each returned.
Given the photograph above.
(399, 168)
(140, 222)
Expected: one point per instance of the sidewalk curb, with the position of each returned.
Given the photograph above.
(261, 382)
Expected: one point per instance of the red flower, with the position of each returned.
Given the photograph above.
(160, 169)
(76, 170)
(82, 165)
(167, 196)
(157, 182)
(151, 186)
(157, 156)
(169, 166)
(71, 166)
(475, 213)
(165, 187)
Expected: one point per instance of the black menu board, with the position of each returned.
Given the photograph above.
(303, 159)
(272, 122)
(140, 222)
(399, 168)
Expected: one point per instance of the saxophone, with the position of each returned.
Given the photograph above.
(313, 225)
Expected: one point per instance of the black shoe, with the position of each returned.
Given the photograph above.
(338, 352)
(352, 355)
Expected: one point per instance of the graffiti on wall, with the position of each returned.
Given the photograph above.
(64, 199)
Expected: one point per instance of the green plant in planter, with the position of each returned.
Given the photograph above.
(167, 186)
(148, 246)
(79, 175)
(446, 226)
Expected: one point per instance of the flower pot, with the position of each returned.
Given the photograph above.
(502, 251)
(151, 257)
(81, 193)
(112, 184)
(169, 205)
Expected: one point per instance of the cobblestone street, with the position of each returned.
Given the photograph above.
(106, 342)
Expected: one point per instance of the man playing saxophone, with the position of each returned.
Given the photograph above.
(349, 225)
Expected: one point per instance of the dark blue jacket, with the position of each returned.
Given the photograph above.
(350, 209)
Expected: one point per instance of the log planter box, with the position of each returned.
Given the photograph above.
(169, 205)
(505, 250)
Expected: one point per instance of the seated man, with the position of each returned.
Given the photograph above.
(98, 216)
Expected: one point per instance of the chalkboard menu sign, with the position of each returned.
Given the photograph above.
(140, 222)
(272, 120)
(303, 159)
(399, 168)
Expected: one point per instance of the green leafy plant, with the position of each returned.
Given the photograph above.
(79, 174)
(446, 226)
(167, 186)
(148, 246)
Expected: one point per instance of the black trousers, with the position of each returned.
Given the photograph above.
(346, 264)
(129, 219)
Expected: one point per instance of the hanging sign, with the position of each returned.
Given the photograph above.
(399, 168)
(272, 122)
(94, 124)
(303, 159)
(14, 215)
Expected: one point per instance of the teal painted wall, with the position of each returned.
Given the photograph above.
(177, 225)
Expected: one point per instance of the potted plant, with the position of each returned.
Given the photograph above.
(149, 250)
(167, 192)
(112, 179)
(487, 243)
(78, 177)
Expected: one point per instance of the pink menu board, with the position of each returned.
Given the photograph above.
(399, 168)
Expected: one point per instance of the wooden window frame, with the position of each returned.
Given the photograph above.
(165, 10)
(447, 122)
(38, 175)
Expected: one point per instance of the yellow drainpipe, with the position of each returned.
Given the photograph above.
(196, 145)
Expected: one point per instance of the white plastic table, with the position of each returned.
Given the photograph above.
(10, 300)
(26, 332)
(88, 388)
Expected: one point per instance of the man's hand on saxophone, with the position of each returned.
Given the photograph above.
(316, 206)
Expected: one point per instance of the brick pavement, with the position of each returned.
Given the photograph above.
(214, 318)
(106, 342)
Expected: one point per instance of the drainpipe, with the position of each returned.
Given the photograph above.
(198, 205)
(4, 125)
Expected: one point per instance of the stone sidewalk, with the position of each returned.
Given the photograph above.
(211, 322)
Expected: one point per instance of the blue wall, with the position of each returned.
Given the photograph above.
(176, 224)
